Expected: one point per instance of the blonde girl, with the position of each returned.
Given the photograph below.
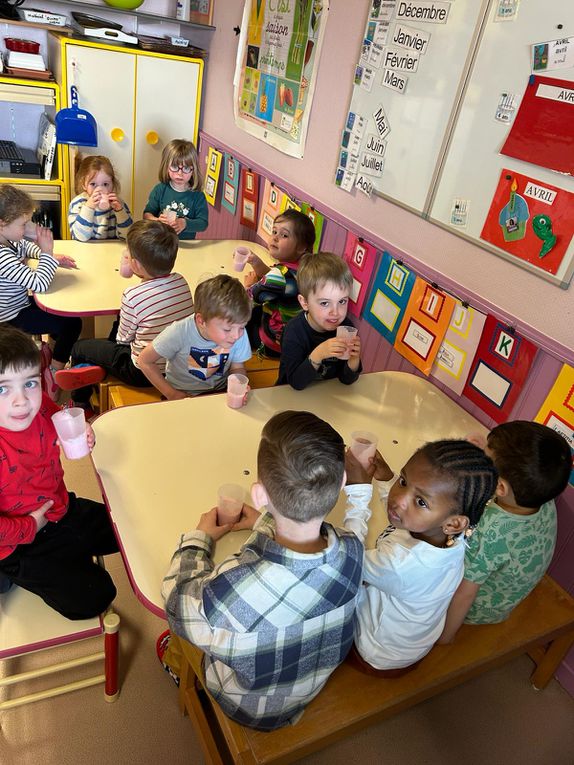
(178, 199)
(97, 212)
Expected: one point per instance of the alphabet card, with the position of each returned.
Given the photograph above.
(499, 369)
(249, 198)
(557, 411)
(317, 219)
(270, 209)
(456, 352)
(230, 183)
(424, 324)
(212, 174)
(361, 258)
(389, 296)
(530, 219)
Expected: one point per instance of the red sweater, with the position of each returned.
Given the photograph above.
(30, 474)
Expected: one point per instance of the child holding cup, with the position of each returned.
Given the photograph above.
(48, 537)
(313, 348)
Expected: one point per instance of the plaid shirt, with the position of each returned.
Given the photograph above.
(273, 623)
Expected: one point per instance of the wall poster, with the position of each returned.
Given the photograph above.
(276, 69)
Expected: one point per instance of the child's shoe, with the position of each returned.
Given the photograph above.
(79, 376)
(161, 647)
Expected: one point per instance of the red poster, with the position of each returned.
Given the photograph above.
(361, 258)
(499, 369)
(531, 220)
(542, 129)
(249, 198)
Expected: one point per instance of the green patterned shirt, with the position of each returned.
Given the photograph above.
(508, 555)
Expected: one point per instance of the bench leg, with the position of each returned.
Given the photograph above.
(548, 664)
(192, 703)
(111, 660)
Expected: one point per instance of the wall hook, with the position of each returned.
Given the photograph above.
(237, 30)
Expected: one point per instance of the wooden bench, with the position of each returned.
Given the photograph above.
(542, 626)
(113, 393)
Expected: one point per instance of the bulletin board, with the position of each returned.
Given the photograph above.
(442, 146)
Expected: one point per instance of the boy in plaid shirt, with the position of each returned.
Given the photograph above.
(275, 619)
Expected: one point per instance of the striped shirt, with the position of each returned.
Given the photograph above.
(150, 307)
(273, 623)
(16, 277)
(86, 223)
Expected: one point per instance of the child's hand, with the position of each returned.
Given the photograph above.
(39, 514)
(334, 347)
(91, 436)
(208, 524)
(355, 348)
(382, 471)
(115, 202)
(178, 225)
(250, 279)
(356, 473)
(249, 516)
(65, 261)
(44, 239)
(94, 198)
(254, 260)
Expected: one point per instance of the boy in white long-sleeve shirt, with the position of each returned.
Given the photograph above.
(412, 573)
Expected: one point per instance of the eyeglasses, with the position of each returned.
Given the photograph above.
(183, 168)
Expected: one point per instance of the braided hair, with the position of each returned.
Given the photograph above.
(472, 472)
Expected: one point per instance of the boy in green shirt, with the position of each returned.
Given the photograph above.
(514, 542)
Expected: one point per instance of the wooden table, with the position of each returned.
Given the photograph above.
(95, 287)
(160, 464)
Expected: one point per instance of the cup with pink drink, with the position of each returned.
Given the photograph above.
(229, 503)
(70, 426)
(347, 334)
(364, 446)
(240, 255)
(125, 267)
(237, 389)
(170, 214)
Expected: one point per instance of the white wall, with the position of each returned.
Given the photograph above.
(533, 301)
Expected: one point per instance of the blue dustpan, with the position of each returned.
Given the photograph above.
(76, 126)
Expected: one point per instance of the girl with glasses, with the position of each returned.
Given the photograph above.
(178, 199)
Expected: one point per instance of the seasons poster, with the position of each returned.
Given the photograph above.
(276, 69)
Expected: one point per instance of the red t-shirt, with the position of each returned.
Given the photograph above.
(30, 474)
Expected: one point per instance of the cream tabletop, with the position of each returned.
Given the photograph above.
(95, 287)
(160, 464)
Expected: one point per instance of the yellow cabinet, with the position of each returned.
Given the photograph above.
(140, 101)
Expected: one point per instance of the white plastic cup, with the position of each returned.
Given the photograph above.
(70, 426)
(364, 446)
(170, 214)
(104, 203)
(237, 391)
(229, 503)
(125, 268)
(240, 256)
(347, 334)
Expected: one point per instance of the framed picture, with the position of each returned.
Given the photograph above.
(201, 11)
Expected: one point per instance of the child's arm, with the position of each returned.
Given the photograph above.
(197, 218)
(352, 369)
(82, 216)
(358, 491)
(152, 209)
(14, 270)
(238, 368)
(258, 266)
(22, 529)
(460, 605)
(122, 211)
(147, 363)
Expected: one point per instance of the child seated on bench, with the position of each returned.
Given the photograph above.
(48, 537)
(514, 542)
(417, 564)
(275, 619)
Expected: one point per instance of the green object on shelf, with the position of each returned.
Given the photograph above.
(128, 5)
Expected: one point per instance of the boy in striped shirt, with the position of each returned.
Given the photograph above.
(161, 298)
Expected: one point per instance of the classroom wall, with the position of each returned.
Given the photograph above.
(533, 301)
(541, 310)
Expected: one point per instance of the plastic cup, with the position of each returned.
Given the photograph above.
(170, 214)
(237, 391)
(125, 268)
(240, 256)
(104, 203)
(70, 426)
(364, 446)
(347, 334)
(31, 231)
(229, 503)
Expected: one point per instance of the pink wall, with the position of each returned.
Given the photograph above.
(532, 301)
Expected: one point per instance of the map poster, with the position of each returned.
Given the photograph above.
(276, 69)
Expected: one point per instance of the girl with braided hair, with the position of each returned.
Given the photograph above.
(417, 564)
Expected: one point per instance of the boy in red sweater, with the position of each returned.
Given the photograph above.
(48, 537)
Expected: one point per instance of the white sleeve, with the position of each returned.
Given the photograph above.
(358, 512)
(384, 487)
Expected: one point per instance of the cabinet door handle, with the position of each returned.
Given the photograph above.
(152, 137)
(117, 134)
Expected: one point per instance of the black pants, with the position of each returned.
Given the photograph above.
(64, 329)
(114, 358)
(59, 567)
